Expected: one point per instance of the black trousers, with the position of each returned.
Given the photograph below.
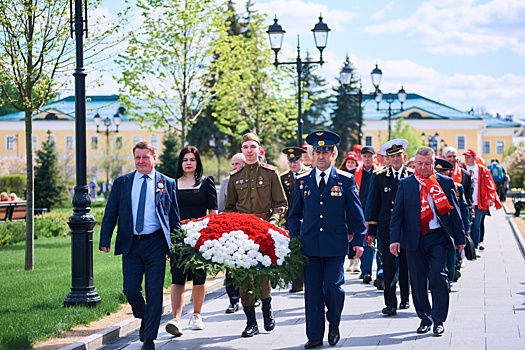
(393, 266)
(233, 292)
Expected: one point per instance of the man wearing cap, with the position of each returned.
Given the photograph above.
(484, 193)
(383, 193)
(425, 237)
(326, 214)
(288, 178)
(362, 175)
(256, 189)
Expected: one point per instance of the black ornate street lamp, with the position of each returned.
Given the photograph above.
(433, 141)
(401, 96)
(276, 35)
(82, 221)
(346, 76)
(108, 123)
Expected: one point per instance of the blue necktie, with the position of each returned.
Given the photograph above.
(139, 225)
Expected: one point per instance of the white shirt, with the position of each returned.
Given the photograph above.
(327, 173)
(475, 183)
(151, 220)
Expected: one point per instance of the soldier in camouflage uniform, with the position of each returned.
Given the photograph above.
(256, 189)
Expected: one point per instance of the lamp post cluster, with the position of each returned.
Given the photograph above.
(82, 221)
(276, 35)
(346, 77)
(434, 142)
(108, 123)
(389, 98)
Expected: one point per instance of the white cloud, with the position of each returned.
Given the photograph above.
(462, 27)
(379, 15)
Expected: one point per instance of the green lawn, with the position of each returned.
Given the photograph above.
(31, 302)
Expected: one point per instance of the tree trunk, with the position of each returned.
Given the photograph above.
(30, 234)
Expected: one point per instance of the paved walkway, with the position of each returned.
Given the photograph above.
(487, 311)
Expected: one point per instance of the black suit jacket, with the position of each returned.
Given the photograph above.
(405, 219)
(383, 189)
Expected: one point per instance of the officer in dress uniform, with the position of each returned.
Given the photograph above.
(288, 178)
(326, 214)
(256, 189)
(383, 193)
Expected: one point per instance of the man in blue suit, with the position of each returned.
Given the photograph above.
(144, 204)
(426, 237)
(326, 214)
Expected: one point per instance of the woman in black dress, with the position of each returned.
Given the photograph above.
(196, 196)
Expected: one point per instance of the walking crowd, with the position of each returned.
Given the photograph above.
(412, 221)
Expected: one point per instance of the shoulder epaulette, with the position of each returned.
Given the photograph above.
(344, 173)
(268, 167)
(380, 171)
(304, 174)
(285, 173)
(235, 171)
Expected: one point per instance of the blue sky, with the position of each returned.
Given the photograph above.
(463, 53)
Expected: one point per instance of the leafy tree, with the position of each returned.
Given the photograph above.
(514, 164)
(315, 91)
(164, 62)
(249, 93)
(170, 155)
(50, 188)
(404, 130)
(35, 51)
(346, 112)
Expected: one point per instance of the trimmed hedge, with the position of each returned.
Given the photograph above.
(52, 224)
(13, 183)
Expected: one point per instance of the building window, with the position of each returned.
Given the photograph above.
(460, 142)
(119, 142)
(52, 138)
(486, 147)
(93, 143)
(369, 140)
(10, 143)
(34, 143)
(154, 140)
(500, 147)
(69, 143)
(136, 139)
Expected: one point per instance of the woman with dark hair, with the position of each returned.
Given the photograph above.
(196, 197)
(350, 162)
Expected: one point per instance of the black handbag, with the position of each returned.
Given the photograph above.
(470, 250)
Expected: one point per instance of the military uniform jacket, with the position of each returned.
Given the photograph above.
(288, 182)
(256, 189)
(383, 192)
(324, 221)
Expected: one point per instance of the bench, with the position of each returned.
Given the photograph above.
(13, 211)
(518, 199)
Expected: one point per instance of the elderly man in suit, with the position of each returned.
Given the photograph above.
(326, 214)
(426, 237)
(144, 204)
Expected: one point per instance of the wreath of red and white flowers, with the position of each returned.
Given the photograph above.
(237, 240)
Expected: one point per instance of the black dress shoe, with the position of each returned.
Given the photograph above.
(333, 336)
(379, 283)
(141, 331)
(367, 279)
(232, 308)
(423, 328)
(389, 311)
(439, 329)
(148, 345)
(257, 303)
(310, 344)
(403, 306)
(295, 290)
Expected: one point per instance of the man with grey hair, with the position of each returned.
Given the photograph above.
(458, 174)
(426, 237)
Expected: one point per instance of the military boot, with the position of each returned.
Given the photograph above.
(269, 321)
(251, 322)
